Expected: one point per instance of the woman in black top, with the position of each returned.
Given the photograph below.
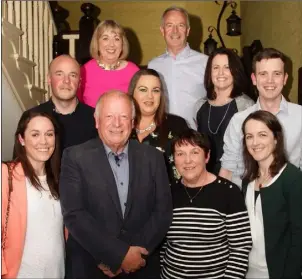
(152, 124)
(210, 233)
(225, 81)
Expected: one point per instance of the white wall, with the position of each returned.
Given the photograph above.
(11, 113)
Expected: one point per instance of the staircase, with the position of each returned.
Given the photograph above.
(27, 35)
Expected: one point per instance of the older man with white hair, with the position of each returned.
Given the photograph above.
(115, 198)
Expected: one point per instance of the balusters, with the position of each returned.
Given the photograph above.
(24, 26)
(10, 12)
(36, 21)
(30, 30)
(41, 42)
(36, 43)
(4, 9)
(46, 38)
(17, 13)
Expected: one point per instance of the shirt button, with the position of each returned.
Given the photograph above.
(122, 183)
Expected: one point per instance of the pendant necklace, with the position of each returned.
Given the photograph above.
(264, 181)
(209, 117)
(192, 198)
(140, 131)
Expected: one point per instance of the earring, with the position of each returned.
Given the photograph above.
(22, 143)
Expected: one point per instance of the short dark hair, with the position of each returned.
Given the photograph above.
(52, 165)
(279, 153)
(160, 113)
(268, 53)
(237, 71)
(192, 137)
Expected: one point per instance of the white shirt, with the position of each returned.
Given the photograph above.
(183, 78)
(257, 257)
(44, 251)
(290, 117)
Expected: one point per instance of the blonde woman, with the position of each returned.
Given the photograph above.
(108, 69)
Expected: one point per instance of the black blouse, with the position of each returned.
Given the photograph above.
(161, 139)
(217, 119)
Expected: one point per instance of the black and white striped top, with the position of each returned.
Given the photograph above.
(210, 237)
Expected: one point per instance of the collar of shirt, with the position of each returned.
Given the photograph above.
(283, 105)
(121, 155)
(183, 54)
(56, 110)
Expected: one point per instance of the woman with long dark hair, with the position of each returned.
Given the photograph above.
(225, 82)
(32, 223)
(152, 124)
(273, 193)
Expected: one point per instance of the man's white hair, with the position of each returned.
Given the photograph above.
(118, 94)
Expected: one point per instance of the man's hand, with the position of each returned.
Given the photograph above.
(133, 259)
(106, 270)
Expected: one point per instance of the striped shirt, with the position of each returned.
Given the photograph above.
(210, 237)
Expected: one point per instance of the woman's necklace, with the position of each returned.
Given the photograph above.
(209, 119)
(264, 181)
(108, 67)
(140, 131)
(192, 198)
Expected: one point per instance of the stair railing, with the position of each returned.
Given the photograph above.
(35, 20)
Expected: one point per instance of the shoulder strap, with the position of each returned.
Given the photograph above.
(10, 189)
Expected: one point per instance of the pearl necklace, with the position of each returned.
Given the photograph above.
(140, 131)
(107, 67)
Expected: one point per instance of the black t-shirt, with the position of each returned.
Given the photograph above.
(76, 127)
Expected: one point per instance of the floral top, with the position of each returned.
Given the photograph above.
(161, 139)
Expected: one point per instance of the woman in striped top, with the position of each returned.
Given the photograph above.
(210, 233)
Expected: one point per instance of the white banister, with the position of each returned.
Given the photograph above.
(31, 27)
(72, 42)
(46, 40)
(10, 12)
(24, 27)
(30, 30)
(4, 9)
(41, 43)
(36, 43)
(50, 43)
(18, 13)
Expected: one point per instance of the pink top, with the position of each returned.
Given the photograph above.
(95, 81)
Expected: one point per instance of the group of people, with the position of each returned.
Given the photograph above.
(168, 172)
